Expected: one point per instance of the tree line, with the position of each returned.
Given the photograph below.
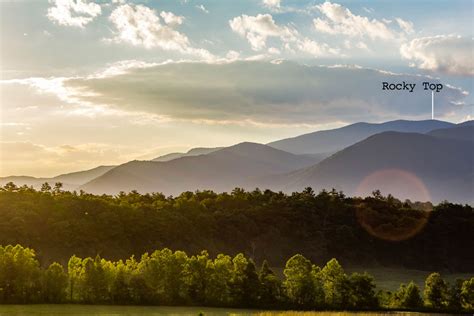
(174, 278)
(373, 231)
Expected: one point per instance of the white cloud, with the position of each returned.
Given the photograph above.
(272, 4)
(232, 55)
(202, 8)
(274, 51)
(256, 29)
(73, 12)
(265, 93)
(120, 68)
(337, 19)
(368, 10)
(362, 45)
(171, 19)
(141, 26)
(406, 26)
(444, 53)
(314, 48)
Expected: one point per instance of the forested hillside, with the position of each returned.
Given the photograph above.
(373, 231)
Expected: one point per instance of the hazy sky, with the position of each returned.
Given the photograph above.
(85, 83)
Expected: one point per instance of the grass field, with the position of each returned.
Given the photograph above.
(390, 279)
(95, 310)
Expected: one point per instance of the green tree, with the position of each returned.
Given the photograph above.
(95, 286)
(19, 275)
(10, 187)
(318, 283)
(164, 273)
(195, 276)
(57, 187)
(454, 295)
(251, 286)
(45, 187)
(55, 281)
(218, 291)
(435, 292)
(270, 288)
(120, 291)
(237, 279)
(298, 281)
(407, 296)
(336, 286)
(140, 292)
(467, 294)
(75, 272)
(362, 287)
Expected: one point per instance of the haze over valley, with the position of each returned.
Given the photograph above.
(418, 160)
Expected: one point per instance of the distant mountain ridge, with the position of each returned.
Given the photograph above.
(459, 132)
(192, 152)
(336, 139)
(221, 170)
(439, 155)
(70, 181)
(443, 165)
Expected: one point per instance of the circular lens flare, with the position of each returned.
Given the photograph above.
(385, 220)
(399, 183)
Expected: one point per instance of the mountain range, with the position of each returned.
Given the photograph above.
(222, 170)
(408, 165)
(330, 141)
(421, 160)
(70, 181)
(192, 152)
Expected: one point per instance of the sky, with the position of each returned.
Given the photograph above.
(88, 83)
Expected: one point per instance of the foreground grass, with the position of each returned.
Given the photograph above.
(114, 310)
(294, 313)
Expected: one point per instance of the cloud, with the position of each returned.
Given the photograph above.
(443, 53)
(73, 12)
(202, 8)
(265, 93)
(139, 25)
(337, 19)
(171, 19)
(406, 26)
(257, 29)
(368, 10)
(272, 4)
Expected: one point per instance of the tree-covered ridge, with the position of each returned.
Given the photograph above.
(165, 277)
(377, 230)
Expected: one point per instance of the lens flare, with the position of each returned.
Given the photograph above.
(386, 220)
(399, 183)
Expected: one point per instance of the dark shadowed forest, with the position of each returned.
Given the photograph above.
(263, 225)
